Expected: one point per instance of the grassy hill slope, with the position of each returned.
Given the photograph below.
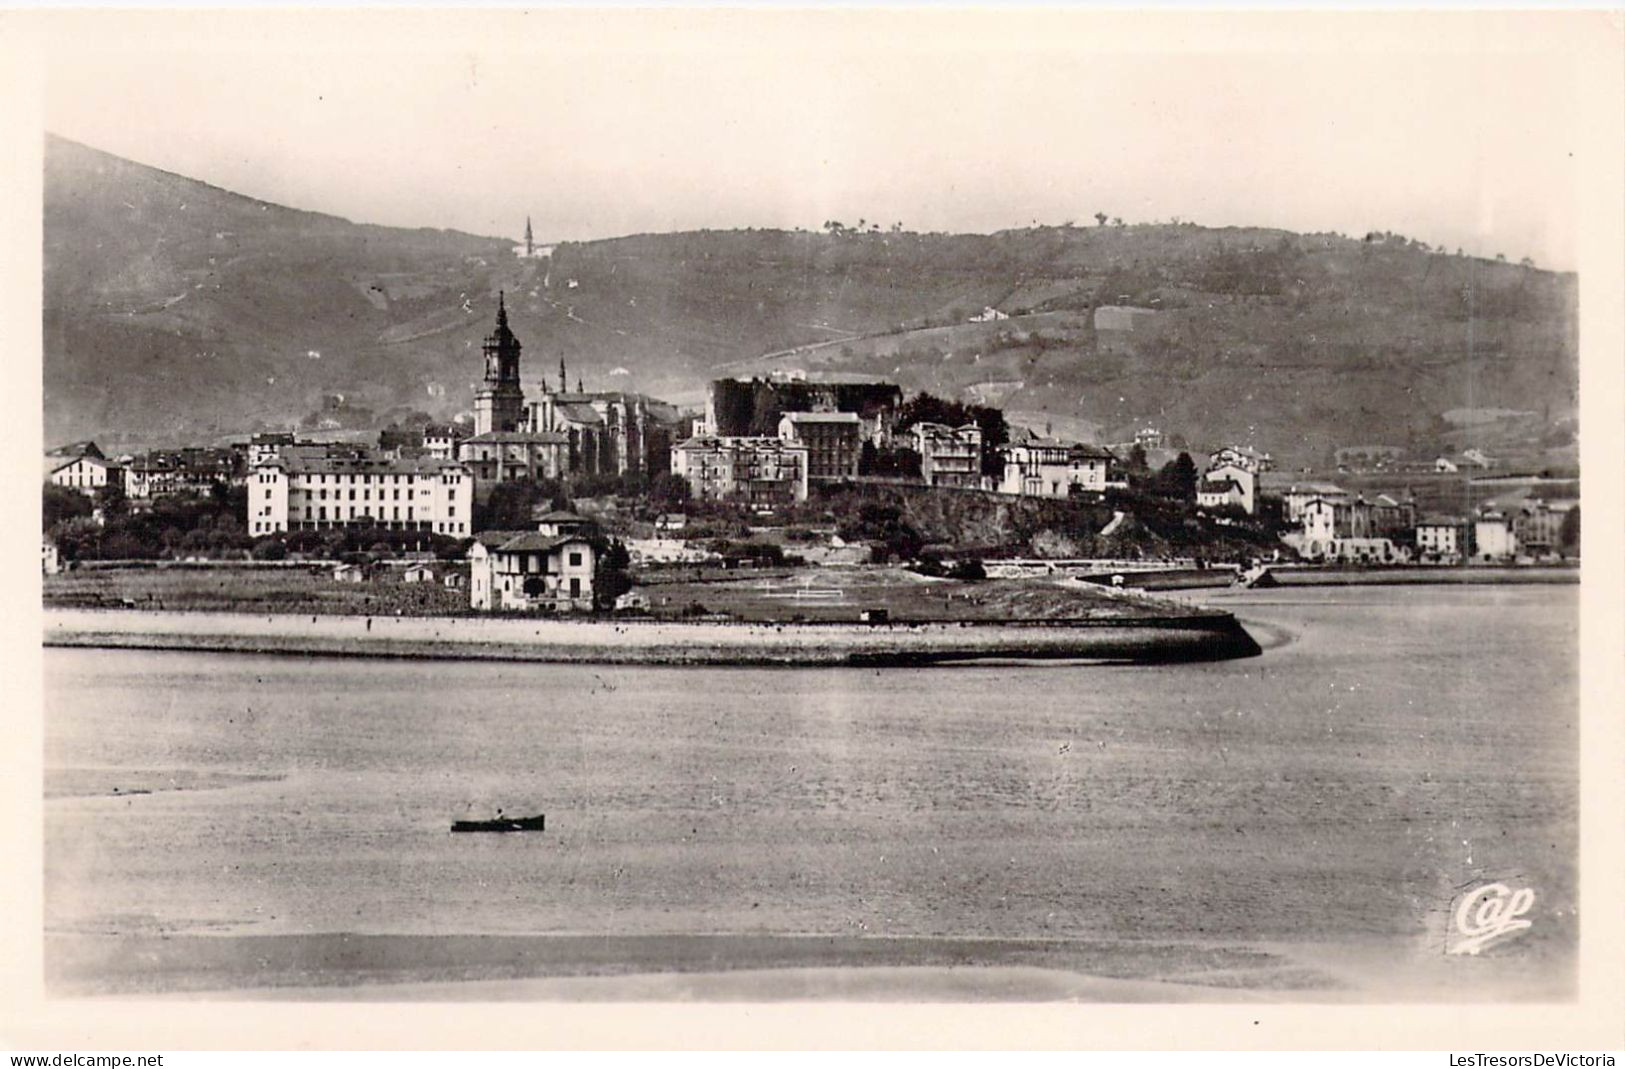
(175, 307)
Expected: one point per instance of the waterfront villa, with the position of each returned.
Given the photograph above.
(531, 571)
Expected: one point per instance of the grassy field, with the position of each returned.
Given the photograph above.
(255, 590)
(842, 594)
(779, 595)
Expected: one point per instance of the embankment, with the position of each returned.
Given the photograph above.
(1142, 640)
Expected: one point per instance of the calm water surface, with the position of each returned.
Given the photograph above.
(1390, 745)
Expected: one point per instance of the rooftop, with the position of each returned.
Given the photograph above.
(518, 438)
(523, 541)
(823, 417)
(305, 464)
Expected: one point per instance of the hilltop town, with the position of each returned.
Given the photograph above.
(572, 501)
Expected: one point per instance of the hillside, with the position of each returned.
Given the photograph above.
(177, 309)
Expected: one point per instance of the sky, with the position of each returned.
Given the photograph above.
(1459, 130)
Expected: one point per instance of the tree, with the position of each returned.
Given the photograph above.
(882, 525)
(1568, 536)
(1136, 459)
(668, 491)
(1100, 218)
(1177, 479)
(610, 578)
(509, 506)
(270, 549)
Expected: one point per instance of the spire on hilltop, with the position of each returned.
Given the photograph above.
(564, 385)
(530, 243)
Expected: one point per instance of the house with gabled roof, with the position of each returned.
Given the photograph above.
(531, 571)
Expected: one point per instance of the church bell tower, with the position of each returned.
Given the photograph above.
(499, 403)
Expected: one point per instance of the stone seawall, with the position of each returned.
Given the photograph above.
(1192, 637)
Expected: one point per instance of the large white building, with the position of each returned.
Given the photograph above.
(756, 471)
(319, 493)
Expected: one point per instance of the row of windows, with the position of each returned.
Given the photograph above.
(365, 479)
(338, 495)
(322, 523)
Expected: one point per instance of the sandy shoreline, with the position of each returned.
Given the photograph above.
(759, 967)
(1187, 637)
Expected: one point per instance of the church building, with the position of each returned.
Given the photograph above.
(562, 433)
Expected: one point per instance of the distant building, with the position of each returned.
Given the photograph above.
(500, 456)
(1218, 493)
(50, 557)
(349, 573)
(418, 573)
(1391, 518)
(1538, 525)
(263, 447)
(987, 315)
(763, 472)
(440, 440)
(1444, 539)
(738, 408)
(1148, 438)
(1243, 477)
(530, 571)
(317, 493)
(161, 473)
(832, 440)
(949, 456)
(1049, 467)
(1494, 537)
(668, 522)
(1241, 456)
(1445, 464)
(87, 473)
(1295, 494)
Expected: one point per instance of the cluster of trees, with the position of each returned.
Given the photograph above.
(1176, 479)
(895, 462)
(511, 505)
(967, 570)
(883, 526)
(838, 228)
(179, 526)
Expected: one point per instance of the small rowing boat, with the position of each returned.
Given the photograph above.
(502, 823)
